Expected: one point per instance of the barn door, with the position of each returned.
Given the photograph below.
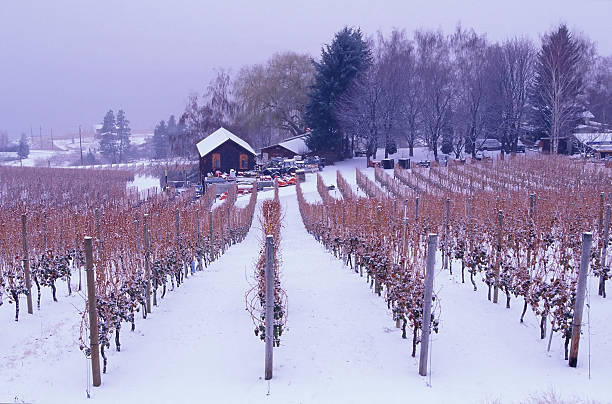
(216, 161)
(244, 161)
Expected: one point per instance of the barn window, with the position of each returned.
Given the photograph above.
(216, 161)
(244, 162)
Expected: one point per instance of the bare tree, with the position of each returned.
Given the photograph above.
(514, 75)
(471, 89)
(272, 97)
(203, 116)
(359, 110)
(558, 84)
(599, 90)
(436, 76)
(395, 74)
(372, 108)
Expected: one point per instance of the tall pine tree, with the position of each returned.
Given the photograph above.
(123, 135)
(347, 56)
(23, 150)
(108, 138)
(160, 140)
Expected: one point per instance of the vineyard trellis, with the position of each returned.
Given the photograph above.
(517, 223)
(141, 243)
(391, 253)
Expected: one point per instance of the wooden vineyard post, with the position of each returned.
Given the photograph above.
(98, 238)
(604, 249)
(404, 229)
(76, 247)
(26, 264)
(432, 245)
(532, 202)
(93, 315)
(416, 209)
(210, 237)
(377, 286)
(602, 199)
(178, 240)
(198, 240)
(500, 218)
(587, 240)
(446, 252)
(147, 264)
(269, 316)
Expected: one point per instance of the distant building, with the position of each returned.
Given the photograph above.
(223, 151)
(600, 144)
(288, 148)
(98, 128)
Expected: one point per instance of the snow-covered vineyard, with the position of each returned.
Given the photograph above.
(180, 286)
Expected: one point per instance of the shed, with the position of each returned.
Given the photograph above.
(288, 148)
(223, 151)
(599, 143)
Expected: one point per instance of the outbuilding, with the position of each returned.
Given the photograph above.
(223, 151)
(288, 148)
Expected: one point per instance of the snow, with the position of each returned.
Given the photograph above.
(297, 145)
(144, 182)
(340, 344)
(217, 138)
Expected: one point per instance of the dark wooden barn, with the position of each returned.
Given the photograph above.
(223, 151)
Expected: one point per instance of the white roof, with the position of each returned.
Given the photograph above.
(588, 115)
(595, 141)
(217, 138)
(594, 137)
(297, 145)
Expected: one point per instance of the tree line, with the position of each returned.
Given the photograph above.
(441, 90)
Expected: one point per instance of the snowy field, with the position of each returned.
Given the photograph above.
(340, 344)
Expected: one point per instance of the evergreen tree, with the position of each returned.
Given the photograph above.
(160, 140)
(108, 139)
(123, 135)
(347, 56)
(23, 151)
(173, 138)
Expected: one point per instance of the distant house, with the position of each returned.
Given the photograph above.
(288, 148)
(223, 151)
(98, 128)
(599, 144)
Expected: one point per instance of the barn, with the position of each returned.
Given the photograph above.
(288, 148)
(223, 151)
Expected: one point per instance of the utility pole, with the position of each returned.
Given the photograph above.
(51, 139)
(40, 134)
(81, 144)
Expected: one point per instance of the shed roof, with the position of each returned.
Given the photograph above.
(600, 142)
(296, 144)
(217, 138)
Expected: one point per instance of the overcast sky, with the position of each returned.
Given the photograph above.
(66, 62)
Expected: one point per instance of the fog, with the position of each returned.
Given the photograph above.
(65, 63)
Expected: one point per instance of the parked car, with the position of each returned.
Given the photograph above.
(520, 147)
(489, 144)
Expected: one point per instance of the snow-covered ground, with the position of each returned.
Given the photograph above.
(67, 151)
(340, 344)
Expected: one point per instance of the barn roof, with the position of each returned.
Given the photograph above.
(295, 145)
(217, 138)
